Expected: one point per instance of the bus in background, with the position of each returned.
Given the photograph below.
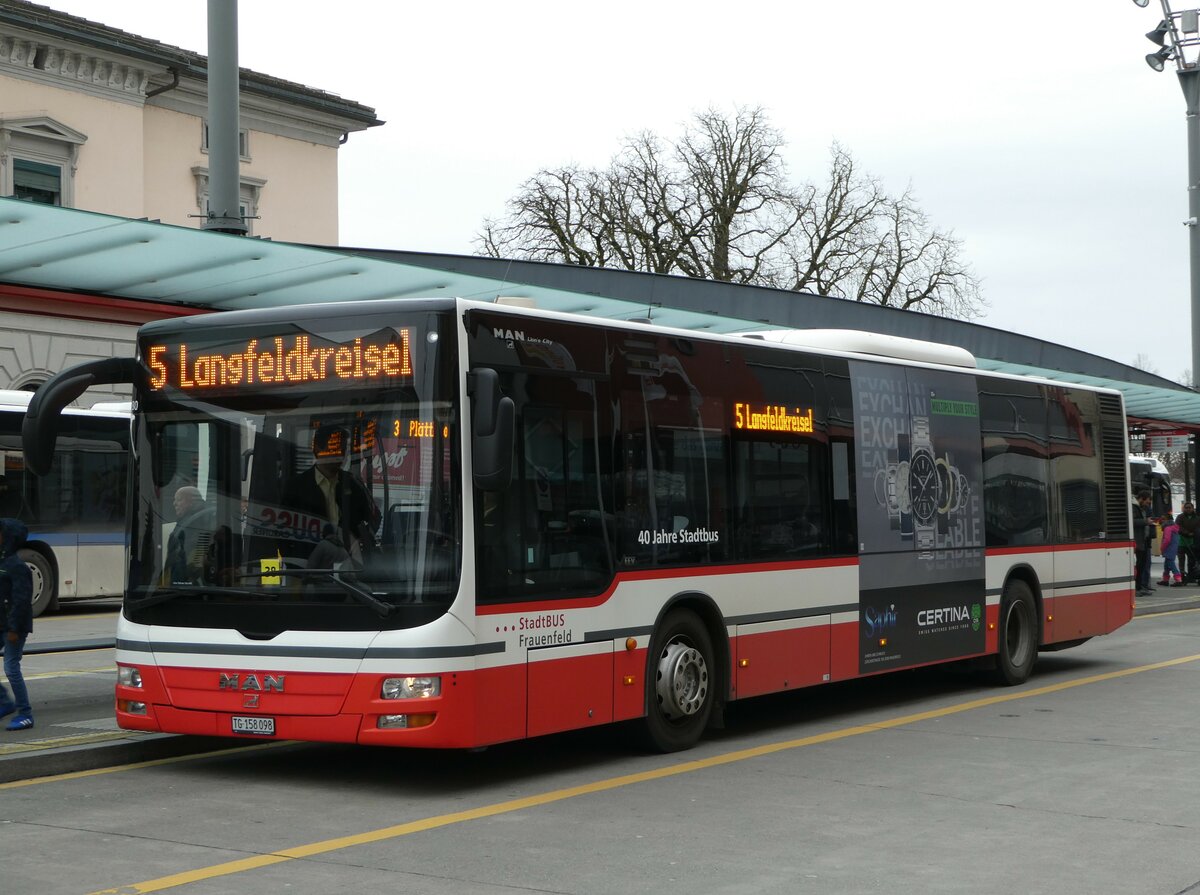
(577, 522)
(1149, 473)
(76, 513)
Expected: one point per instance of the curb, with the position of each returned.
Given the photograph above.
(1167, 606)
(88, 757)
(68, 646)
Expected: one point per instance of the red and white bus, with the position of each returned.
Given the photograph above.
(579, 522)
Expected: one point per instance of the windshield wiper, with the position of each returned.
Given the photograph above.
(166, 594)
(363, 596)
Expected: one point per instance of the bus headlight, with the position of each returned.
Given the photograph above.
(128, 676)
(411, 687)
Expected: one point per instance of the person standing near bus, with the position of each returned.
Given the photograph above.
(1170, 550)
(1188, 523)
(16, 599)
(1143, 535)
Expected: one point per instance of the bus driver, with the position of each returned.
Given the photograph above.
(330, 492)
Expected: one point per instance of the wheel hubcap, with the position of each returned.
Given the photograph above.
(682, 684)
(38, 583)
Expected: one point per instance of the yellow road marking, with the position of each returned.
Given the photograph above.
(43, 675)
(99, 736)
(256, 862)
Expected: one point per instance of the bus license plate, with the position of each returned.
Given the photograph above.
(256, 725)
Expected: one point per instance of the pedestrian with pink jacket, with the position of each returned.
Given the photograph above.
(1170, 549)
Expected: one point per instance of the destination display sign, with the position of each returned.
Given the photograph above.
(773, 418)
(280, 361)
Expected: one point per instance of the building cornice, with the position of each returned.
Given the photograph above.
(24, 55)
(256, 112)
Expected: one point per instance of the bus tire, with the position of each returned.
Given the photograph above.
(680, 683)
(1018, 635)
(43, 579)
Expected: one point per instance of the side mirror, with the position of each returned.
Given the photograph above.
(39, 431)
(492, 424)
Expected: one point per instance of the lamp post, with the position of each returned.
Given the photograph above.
(1178, 39)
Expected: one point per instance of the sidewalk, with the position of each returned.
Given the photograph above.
(1166, 599)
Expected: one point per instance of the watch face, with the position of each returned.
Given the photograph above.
(923, 487)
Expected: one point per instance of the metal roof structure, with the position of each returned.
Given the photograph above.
(92, 254)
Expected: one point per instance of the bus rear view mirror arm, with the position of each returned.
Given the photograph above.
(492, 425)
(39, 432)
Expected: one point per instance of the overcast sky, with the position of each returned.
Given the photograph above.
(1031, 128)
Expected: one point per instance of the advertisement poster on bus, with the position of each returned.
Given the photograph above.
(920, 516)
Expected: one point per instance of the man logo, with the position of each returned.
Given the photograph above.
(270, 682)
(508, 335)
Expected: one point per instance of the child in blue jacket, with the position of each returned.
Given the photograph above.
(1170, 550)
(16, 600)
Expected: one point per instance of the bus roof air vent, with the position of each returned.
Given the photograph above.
(861, 342)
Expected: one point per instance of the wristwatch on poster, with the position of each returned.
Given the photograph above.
(923, 484)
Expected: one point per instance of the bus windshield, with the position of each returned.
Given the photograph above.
(303, 480)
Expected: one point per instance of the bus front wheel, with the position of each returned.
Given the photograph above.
(1018, 634)
(680, 686)
(43, 579)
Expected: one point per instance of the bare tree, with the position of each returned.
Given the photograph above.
(737, 181)
(1142, 361)
(830, 244)
(717, 205)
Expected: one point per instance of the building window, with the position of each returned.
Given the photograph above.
(243, 141)
(249, 196)
(38, 158)
(37, 181)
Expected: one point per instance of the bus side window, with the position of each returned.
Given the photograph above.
(672, 476)
(1016, 474)
(780, 484)
(1075, 465)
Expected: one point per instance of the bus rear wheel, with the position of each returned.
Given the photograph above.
(43, 579)
(1018, 634)
(680, 685)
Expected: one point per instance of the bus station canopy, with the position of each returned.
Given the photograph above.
(73, 251)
